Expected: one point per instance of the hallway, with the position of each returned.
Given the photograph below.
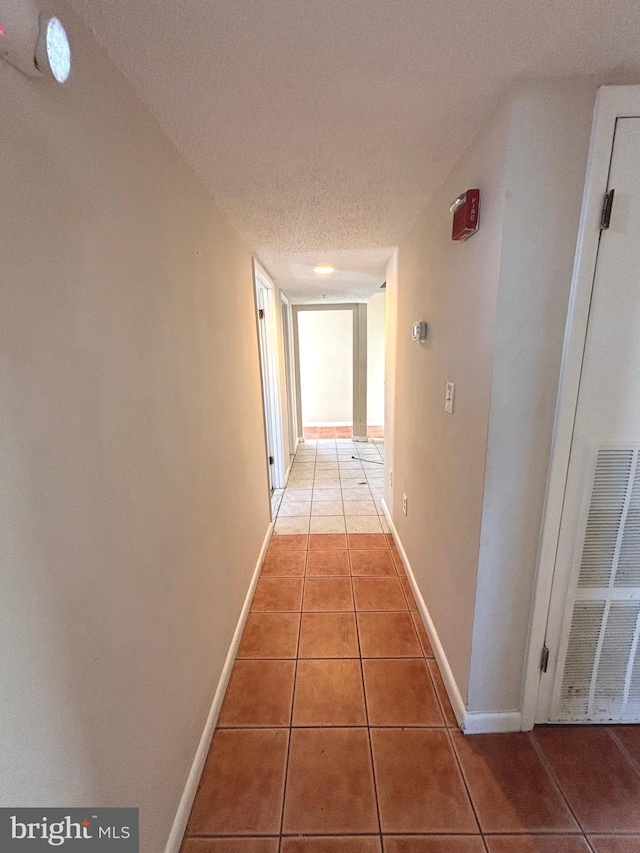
(330, 491)
(336, 723)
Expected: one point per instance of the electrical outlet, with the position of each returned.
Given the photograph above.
(404, 504)
(448, 397)
(390, 477)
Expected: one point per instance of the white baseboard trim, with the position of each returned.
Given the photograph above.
(501, 721)
(469, 723)
(188, 795)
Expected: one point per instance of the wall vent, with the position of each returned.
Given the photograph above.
(601, 673)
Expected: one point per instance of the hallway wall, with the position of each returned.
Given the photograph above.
(133, 487)
(496, 307)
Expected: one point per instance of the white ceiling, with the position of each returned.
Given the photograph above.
(322, 127)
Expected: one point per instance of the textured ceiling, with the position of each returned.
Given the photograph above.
(322, 126)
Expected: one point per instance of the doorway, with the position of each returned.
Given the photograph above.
(330, 344)
(267, 340)
(590, 554)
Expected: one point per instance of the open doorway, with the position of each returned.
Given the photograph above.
(326, 373)
(267, 340)
(331, 371)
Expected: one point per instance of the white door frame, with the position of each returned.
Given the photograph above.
(271, 377)
(289, 372)
(612, 102)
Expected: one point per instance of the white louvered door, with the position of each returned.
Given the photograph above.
(593, 631)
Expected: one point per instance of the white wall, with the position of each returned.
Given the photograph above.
(375, 359)
(326, 366)
(496, 306)
(438, 459)
(550, 130)
(133, 498)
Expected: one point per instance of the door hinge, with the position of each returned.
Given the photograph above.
(261, 313)
(607, 204)
(544, 659)
(271, 460)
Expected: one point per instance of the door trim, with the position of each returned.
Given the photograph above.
(271, 384)
(612, 102)
(359, 312)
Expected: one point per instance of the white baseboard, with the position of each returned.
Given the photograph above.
(500, 721)
(188, 795)
(469, 723)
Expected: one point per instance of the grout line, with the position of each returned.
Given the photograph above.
(366, 711)
(623, 749)
(543, 758)
(464, 778)
(293, 699)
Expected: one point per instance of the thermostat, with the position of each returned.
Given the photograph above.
(419, 331)
(34, 44)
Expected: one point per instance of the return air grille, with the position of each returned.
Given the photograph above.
(601, 673)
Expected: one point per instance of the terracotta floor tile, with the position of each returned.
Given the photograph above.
(368, 541)
(230, 845)
(420, 788)
(328, 635)
(327, 594)
(241, 788)
(422, 634)
(338, 844)
(441, 690)
(284, 564)
(495, 767)
(328, 563)
(397, 559)
(391, 542)
(273, 594)
(433, 844)
(289, 542)
(598, 781)
(615, 843)
(378, 594)
(330, 783)
(388, 635)
(329, 693)
(372, 563)
(327, 541)
(406, 586)
(260, 693)
(400, 693)
(629, 737)
(270, 635)
(537, 844)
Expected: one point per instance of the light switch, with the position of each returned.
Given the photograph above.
(449, 395)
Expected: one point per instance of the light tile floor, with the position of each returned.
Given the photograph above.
(336, 734)
(330, 491)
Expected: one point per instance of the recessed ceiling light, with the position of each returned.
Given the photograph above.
(324, 269)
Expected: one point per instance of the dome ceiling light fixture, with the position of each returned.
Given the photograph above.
(324, 269)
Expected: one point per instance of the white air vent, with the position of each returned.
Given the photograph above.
(601, 673)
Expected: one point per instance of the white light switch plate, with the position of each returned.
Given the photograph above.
(449, 395)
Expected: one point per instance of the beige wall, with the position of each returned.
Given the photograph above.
(132, 476)
(496, 306)
(375, 359)
(438, 459)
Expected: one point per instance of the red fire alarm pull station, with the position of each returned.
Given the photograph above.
(466, 214)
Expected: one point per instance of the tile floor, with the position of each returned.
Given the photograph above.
(331, 492)
(336, 735)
